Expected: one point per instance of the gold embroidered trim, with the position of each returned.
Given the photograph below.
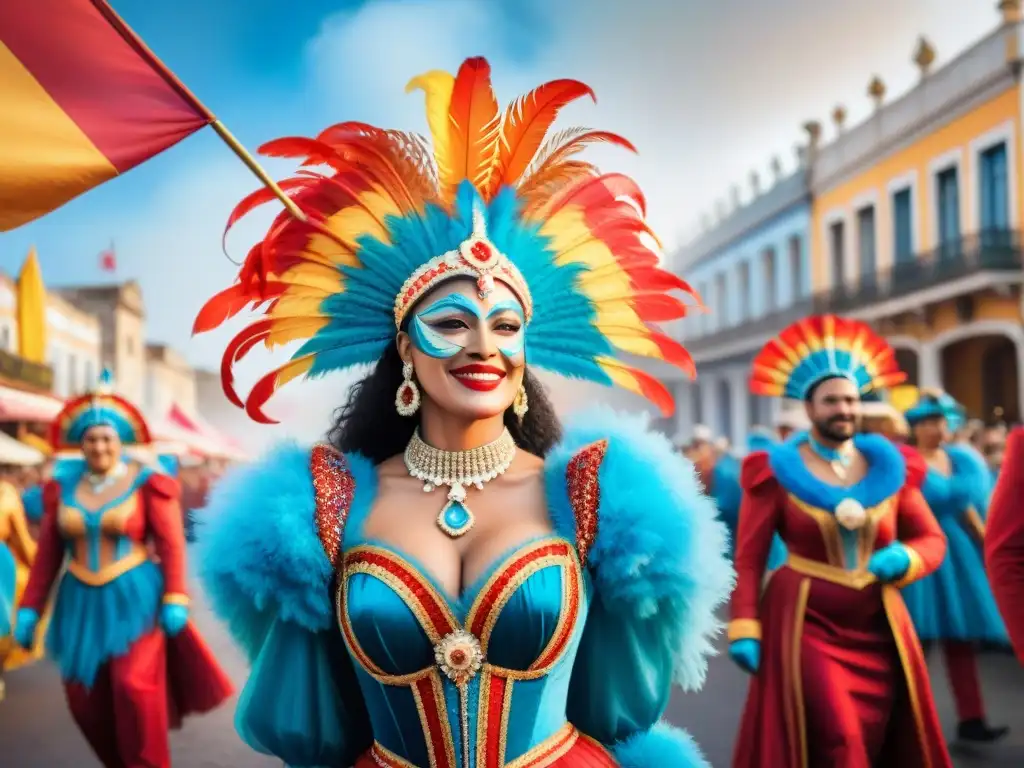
(385, 758)
(815, 569)
(744, 629)
(513, 585)
(548, 751)
(914, 571)
(892, 601)
(798, 691)
(176, 598)
(437, 694)
(108, 573)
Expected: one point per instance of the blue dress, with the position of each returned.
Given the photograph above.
(515, 670)
(955, 602)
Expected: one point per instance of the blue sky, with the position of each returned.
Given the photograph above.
(707, 91)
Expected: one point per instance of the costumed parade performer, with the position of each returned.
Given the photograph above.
(879, 417)
(17, 553)
(719, 473)
(484, 567)
(954, 605)
(1004, 540)
(132, 663)
(838, 675)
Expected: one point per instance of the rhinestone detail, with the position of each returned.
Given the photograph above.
(585, 493)
(334, 488)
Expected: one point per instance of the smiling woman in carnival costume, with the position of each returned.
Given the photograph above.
(452, 581)
(131, 662)
(955, 605)
(839, 678)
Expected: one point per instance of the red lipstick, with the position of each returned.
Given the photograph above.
(479, 378)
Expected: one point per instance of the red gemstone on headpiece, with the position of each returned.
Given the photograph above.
(481, 251)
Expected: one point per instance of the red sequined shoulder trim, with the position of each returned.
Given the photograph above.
(585, 493)
(334, 488)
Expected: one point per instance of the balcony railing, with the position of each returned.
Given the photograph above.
(18, 369)
(988, 251)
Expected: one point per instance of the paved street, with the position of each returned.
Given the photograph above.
(36, 731)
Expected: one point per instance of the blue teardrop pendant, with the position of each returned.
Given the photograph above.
(455, 519)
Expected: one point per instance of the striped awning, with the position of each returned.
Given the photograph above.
(16, 405)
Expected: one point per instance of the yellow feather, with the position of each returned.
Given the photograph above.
(636, 345)
(292, 370)
(437, 86)
(287, 330)
(297, 306)
(619, 376)
(328, 251)
(306, 278)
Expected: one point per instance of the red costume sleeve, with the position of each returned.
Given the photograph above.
(758, 520)
(161, 497)
(917, 467)
(49, 554)
(919, 531)
(1004, 540)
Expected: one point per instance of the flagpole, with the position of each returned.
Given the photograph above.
(234, 144)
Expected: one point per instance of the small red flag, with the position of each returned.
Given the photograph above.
(108, 259)
(84, 100)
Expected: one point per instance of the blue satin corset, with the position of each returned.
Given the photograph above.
(486, 675)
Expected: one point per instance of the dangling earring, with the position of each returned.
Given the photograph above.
(407, 399)
(521, 404)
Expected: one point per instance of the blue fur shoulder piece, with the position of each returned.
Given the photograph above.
(972, 473)
(661, 745)
(259, 556)
(660, 549)
(887, 473)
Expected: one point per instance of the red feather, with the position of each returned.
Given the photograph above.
(674, 353)
(237, 349)
(474, 121)
(527, 121)
(659, 307)
(258, 198)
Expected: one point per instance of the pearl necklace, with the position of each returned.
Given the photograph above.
(457, 470)
(100, 482)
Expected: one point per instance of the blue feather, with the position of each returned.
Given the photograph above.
(662, 745)
(886, 474)
(660, 550)
(259, 554)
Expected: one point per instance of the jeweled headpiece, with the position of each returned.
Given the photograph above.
(824, 347)
(496, 198)
(100, 407)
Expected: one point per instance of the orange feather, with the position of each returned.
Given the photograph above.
(526, 123)
(474, 122)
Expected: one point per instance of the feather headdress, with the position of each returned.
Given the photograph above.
(823, 347)
(98, 408)
(494, 197)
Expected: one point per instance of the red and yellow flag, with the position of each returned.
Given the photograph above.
(82, 100)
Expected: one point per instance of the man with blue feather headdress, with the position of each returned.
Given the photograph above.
(954, 606)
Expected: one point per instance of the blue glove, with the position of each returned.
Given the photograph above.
(890, 562)
(173, 618)
(25, 628)
(746, 653)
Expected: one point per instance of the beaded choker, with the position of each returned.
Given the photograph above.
(457, 470)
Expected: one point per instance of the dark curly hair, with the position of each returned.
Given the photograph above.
(369, 424)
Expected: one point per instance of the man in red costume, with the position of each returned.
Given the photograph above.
(1004, 540)
(838, 675)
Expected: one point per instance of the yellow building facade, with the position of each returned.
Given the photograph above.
(916, 219)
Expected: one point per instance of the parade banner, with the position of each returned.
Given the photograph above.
(83, 101)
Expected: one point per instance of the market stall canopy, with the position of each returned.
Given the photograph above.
(16, 405)
(15, 452)
(226, 447)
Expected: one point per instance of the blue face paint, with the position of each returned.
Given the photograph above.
(436, 344)
(510, 346)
